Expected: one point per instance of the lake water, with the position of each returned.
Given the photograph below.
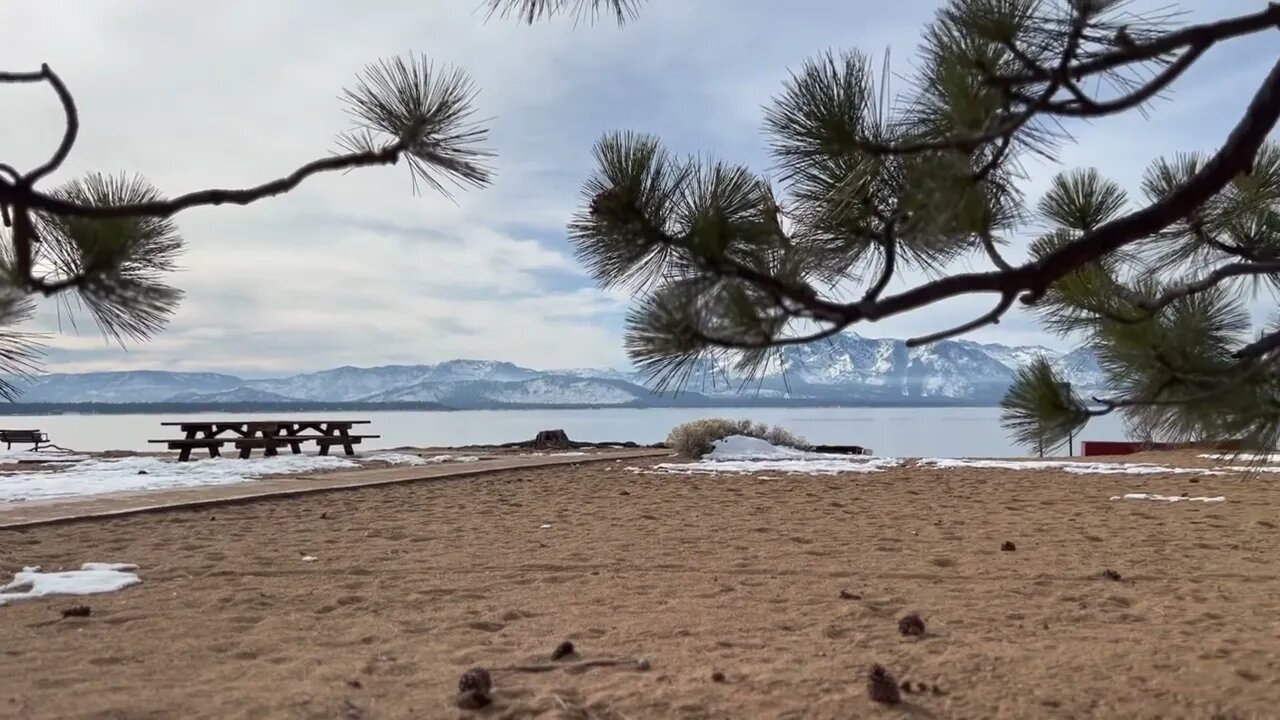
(902, 432)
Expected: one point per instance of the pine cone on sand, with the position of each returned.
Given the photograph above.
(882, 687)
(473, 700)
(475, 679)
(911, 625)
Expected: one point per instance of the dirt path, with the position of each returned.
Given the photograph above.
(15, 515)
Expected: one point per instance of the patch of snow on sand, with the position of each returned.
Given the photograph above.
(451, 458)
(51, 456)
(397, 459)
(407, 459)
(741, 447)
(740, 454)
(1079, 468)
(94, 477)
(1245, 457)
(90, 579)
(1168, 498)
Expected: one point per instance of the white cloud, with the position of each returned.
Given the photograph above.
(354, 269)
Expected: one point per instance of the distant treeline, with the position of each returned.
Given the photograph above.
(177, 408)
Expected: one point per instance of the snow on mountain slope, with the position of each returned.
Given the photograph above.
(543, 390)
(472, 370)
(239, 395)
(418, 392)
(844, 359)
(848, 363)
(598, 373)
(350, 384)
(344, 384)
(561, 391)
(121, 387)
(1080, 368)
(953, 370)
(844, 368)
(1012, 357)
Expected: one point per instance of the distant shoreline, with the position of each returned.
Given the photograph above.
(162, 408)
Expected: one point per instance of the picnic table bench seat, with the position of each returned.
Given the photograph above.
(33, 437)
(269, 445)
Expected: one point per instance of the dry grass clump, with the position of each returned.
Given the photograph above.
(694, 439)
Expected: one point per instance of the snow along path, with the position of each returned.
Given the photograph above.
(1071, 466)
(140, 473)
(116, 504)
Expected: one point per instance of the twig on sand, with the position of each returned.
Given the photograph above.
(572, 709)
(574, 668)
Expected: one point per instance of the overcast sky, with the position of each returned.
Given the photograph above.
(353, 269)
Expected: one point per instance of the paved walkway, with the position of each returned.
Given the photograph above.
(27, 514)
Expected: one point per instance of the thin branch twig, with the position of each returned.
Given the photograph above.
(69, 133)
(14, 193)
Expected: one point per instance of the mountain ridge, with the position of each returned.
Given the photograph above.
(846, 369)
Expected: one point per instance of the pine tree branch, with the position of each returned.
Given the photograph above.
(1265, 345)
(890, 245)
(12, 193)
(989, 245)
(530, 11)
(1249, 371)
(737, 344)
(1233, 158)
(1086, 107)
(1201, 36)
(1208, 282)
(69, 133)
(1195, 41)
(991, 318)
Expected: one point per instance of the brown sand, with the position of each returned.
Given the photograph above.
(739, 575)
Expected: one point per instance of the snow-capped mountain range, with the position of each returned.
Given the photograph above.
(848, 368)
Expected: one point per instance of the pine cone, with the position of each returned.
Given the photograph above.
(475, 679)
(563, 650)
(472, 700)
(1008, 546)
(911, 625)
(882, 687)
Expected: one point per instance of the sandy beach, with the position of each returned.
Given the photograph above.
(785, 587)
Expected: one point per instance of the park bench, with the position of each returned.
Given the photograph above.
(24, 437)
(267, 435)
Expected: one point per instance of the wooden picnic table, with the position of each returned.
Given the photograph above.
(269, 435)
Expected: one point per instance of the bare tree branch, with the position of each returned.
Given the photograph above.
(1083, 106)
(1202, 36)
(1209, 282)
(991, 318)
(15, 194)
(69, 133)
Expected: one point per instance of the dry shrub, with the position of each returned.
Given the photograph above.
(694, 439)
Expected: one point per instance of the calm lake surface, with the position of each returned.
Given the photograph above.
(903, 432)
